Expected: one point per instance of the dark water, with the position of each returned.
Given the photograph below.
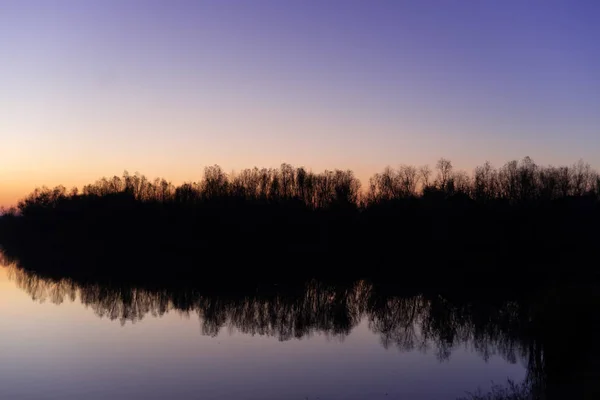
(61, 340)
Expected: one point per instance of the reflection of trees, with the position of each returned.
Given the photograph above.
(122, 303)
(423, 323)
(42, 289)
(406, 322)
(552, 332)
(319, 309)
(398, 321)
(448, 325)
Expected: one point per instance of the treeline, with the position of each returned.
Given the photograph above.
(522, 211)
(515, 183)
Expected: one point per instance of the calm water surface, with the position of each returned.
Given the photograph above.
(64, 341)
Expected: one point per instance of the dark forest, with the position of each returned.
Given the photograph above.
(540, 221)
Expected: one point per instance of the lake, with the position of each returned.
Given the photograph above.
(62, 340)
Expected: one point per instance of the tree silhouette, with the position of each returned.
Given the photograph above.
(545, 215)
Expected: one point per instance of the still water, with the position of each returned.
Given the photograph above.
(61, 340)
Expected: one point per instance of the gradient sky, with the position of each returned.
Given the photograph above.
(93, 88)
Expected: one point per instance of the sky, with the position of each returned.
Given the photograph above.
(165, 88)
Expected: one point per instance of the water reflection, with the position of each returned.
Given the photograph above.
(539, 331)
(427, 323)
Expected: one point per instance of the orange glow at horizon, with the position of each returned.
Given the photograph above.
(169, 90)
(17, 184)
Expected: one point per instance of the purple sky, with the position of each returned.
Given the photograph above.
(91, 88)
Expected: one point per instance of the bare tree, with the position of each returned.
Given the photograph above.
(424, 173)
(444, 168)
(485, 182)
(409, 179)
